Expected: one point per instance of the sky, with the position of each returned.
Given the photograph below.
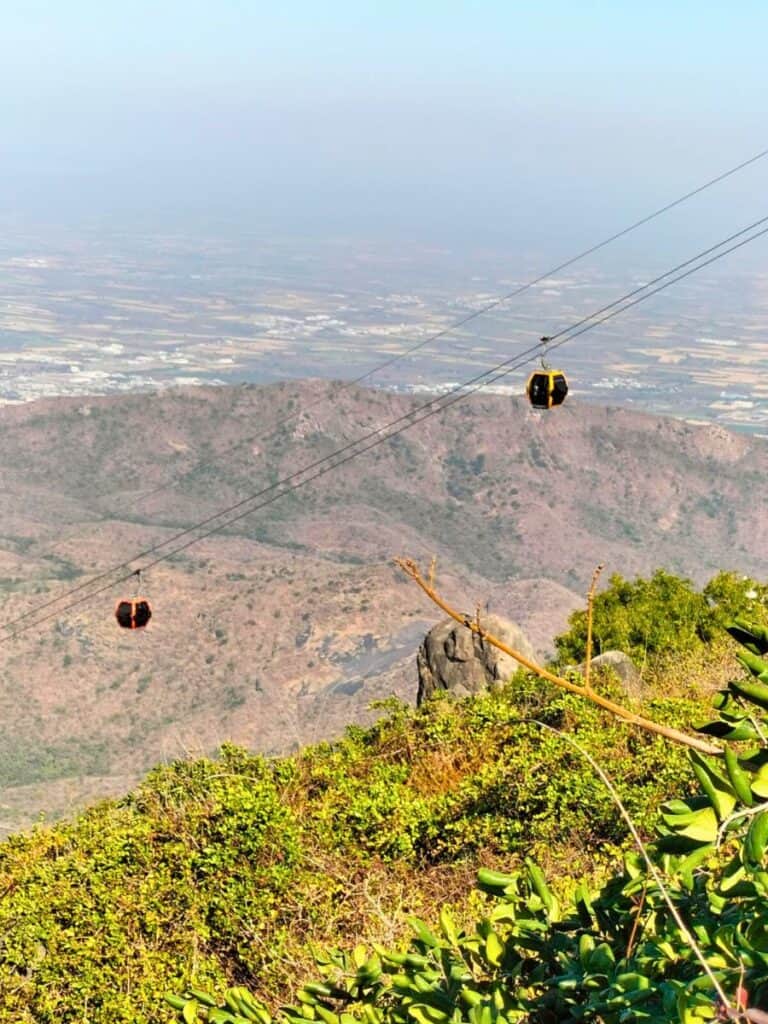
(427, 119)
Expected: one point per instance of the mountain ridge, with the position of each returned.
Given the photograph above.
(283, 630)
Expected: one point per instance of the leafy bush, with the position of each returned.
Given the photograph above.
(224, 868)
(661, 615)
(449, 781)
(681, 924)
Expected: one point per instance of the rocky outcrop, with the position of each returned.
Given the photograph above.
(620, 665)
(453, 658)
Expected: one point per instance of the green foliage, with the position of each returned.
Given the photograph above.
(109, 906)
(613, 953)
(221, 870)
(663, 614)
(454, 782)
(218, 869)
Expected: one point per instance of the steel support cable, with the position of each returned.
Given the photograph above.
(643, 287)
(482, 311)
(108, 573)
(501, 370)
(321, 468)
(459, 389)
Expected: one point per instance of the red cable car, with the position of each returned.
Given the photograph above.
(133, 613)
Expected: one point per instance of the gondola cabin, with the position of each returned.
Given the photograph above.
(133, 613)
(546, 388)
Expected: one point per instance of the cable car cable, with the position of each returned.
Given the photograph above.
(457, 325)
(460, 389)
(643, 287)
(402, 423)
(456, 395)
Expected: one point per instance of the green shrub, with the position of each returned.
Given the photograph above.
(681, 923)
(661, 615)
(222, 868)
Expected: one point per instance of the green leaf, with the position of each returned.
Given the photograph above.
(201, 996)
(631, 981)
(470, 996)
(738, 778)
(189, 1011)
(755, 692)
(221, 1017)
(541, 888)
(699, 826)
(602, 959)
(495, 881)
(447, 927)
(760, 782)
(725, 729)
(423, 1013)
(733, 875)
(721, 794)
(584, 905)
(586, 947)
(756, 839)
(752, 662)
(423, 933)
(752, 636)
(494, 948)
(326, 1015)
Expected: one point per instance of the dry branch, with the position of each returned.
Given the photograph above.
(590, 610)
(410, 568)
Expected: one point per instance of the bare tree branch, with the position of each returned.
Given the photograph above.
(410, 568)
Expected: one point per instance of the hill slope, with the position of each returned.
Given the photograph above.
(285, 628)
(231, 869)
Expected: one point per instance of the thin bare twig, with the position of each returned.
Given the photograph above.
(747, 812)
(590, 610)
(636, 923)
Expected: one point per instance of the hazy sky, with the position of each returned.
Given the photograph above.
(488, 119)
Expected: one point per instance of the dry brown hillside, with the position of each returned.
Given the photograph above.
(286, 628)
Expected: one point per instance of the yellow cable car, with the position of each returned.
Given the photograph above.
(546, 387)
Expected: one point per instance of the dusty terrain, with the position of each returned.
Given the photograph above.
(284, 629)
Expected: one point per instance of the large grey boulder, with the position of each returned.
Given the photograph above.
(453, 658)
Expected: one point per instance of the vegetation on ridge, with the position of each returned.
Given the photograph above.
(663, 616)
(680, 932)
(223, 869)
(234, 869)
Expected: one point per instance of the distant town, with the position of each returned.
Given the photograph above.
(111, 313)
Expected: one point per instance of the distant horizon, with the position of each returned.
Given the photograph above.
(89, 313)
(226, 194)
(461, 123)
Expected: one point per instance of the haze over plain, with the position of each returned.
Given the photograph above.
(478, 122)
(272, 159)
